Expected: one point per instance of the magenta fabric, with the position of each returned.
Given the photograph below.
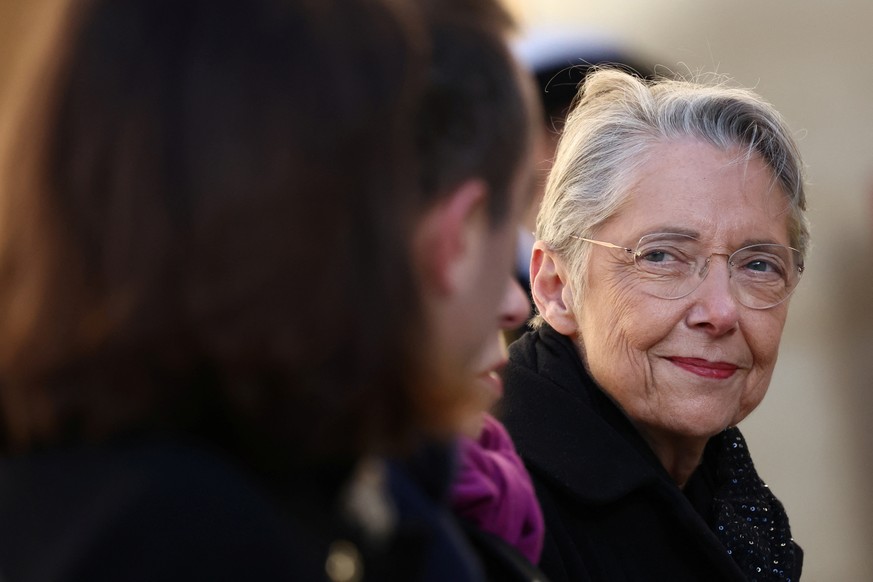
(494, 490)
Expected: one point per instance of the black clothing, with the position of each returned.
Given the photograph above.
(461, 548)
(151, 510)
(419, 487)
(612, 511)
(502, 562)
(160, 509)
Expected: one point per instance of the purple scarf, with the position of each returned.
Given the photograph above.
(493, 490)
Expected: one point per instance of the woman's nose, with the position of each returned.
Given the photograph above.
(515, 306)
(714, 306)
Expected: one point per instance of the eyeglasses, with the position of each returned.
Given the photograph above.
(672, 266)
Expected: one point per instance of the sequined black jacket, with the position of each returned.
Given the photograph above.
(612, 512)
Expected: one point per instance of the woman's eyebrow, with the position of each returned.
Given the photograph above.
(695, 234)
(668, 230)
(760, 241)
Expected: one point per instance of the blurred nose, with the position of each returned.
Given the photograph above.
(714, 307)
(515, 307)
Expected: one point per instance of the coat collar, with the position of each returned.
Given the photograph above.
(574, 436)
(567, 428)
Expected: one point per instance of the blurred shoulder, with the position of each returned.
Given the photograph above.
(144, 510)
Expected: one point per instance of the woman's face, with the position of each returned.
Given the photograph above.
(693, 366)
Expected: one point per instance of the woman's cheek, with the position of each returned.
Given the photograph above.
(756, 388)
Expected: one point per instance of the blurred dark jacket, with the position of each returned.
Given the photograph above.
(460, 549)
(145, 510)
(154, 508)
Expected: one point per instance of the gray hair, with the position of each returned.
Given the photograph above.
(618, 118)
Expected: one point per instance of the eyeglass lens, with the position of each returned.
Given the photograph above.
(672, 265)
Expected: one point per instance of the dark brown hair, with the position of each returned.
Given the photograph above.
(205, 228)
(475, 122)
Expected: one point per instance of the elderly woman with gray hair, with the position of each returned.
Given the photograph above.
(671, 237)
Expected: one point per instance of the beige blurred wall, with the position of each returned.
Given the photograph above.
(10, 18)
(811, 438)
(15, 17)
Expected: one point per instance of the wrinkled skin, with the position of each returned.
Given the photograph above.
(684, 369)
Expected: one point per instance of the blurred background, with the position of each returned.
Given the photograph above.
(811, 58)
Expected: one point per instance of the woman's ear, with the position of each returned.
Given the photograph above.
(551, 293)
(448, 238)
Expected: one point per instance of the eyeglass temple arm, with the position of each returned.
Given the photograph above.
(604, 244)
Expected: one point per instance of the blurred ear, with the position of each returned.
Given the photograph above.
(449, 235)
(551, 293)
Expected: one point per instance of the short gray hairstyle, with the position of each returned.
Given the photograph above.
(617, 118)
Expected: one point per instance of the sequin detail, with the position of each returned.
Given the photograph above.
(750, 521)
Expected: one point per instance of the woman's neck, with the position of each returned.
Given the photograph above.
(680, 455)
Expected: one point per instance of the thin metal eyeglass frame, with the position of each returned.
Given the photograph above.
(705, 269)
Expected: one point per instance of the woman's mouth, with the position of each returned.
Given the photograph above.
(493, 382)
(705, 368)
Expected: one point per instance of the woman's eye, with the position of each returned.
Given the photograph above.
(763, 266)
(655, 257)
(658, 256)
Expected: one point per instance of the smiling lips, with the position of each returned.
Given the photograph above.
(705, 368)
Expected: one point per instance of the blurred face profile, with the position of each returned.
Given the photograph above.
(496, 302)
(513, 310)
(692, 366)
(481, 298)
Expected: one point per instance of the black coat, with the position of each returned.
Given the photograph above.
(612, 512)
(145, 510)
(163, 509)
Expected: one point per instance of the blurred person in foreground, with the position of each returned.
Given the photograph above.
(492, 492)
(224, 298)
(670, 239)
(476, 143)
